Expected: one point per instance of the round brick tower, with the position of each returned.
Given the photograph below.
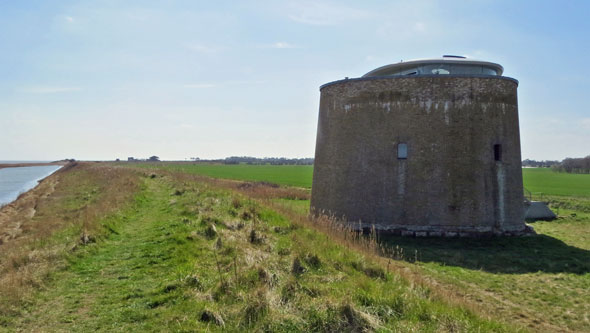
(425, 147)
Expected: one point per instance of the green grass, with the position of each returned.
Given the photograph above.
(183, 258)
(162, 267)
(291, 175)
(547, 182)
(539, 181)
(540, 281)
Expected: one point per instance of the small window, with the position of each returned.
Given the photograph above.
(402, 151)
(498, 152)
(440, 71)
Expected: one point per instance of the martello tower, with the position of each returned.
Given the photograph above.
(425, 147)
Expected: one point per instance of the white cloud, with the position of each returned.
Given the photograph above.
(246, 82)
(69, 19)
(419, 27)
(200, 85)
(201, 48)
(47, 90)
(279, 45)
(283, 45)
(315, 13)
(585, 123)
(223, 83)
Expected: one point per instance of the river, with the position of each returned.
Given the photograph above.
(14, 181)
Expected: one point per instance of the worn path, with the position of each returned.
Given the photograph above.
(121, 282)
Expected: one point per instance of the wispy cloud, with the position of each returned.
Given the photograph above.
(315, 13)
(200, 85)
(69, 19)
(223, 83)
(201, 48)
(47, 90)
(283, 45)
(238, 82)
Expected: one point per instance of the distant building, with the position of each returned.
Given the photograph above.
(425, 147)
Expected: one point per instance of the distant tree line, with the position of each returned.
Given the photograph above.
(574, 165)
(268, 160)
(539, 164)
(150, 159)
(569, 165)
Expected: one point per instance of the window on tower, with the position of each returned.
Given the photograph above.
(402, 151)
(498, 152)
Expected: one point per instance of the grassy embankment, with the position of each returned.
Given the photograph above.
(188, 254)
(40, 229)
(540, 282)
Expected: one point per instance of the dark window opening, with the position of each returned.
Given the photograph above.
(402, 151)
(498, 152)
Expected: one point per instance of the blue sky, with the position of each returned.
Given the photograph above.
(178, 79)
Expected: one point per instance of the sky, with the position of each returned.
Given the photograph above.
(106, 79)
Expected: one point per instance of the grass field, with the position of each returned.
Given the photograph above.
(290, 175)
(539, 181)
(543, 181)
(195, 254)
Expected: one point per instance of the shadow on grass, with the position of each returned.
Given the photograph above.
(510, 255)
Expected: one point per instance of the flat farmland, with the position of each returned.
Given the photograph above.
(539, 181)
(545, 181)
(289, 175)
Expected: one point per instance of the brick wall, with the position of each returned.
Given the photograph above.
(450, 182)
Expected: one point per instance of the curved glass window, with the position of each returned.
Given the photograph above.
(440, 71)
(436, 69)
(443, 69)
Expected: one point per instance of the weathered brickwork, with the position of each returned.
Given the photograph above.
(450, 184)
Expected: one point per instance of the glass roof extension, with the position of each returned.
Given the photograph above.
(439, 66)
